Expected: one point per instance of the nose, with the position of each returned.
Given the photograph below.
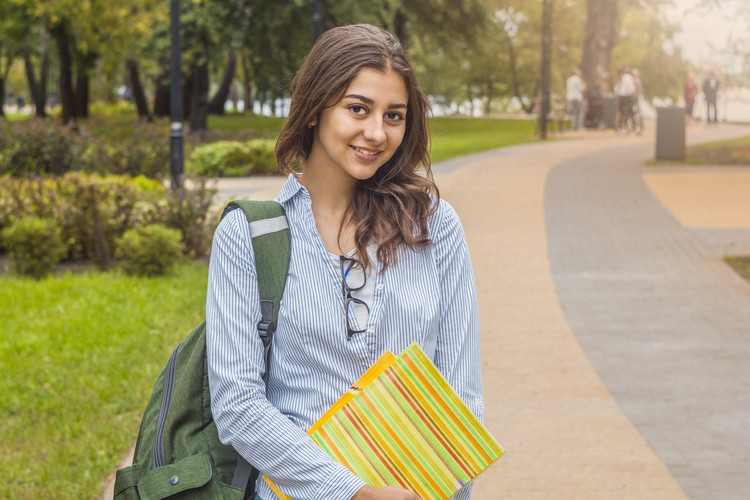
(374, 131)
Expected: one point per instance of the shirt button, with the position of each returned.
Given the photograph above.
(379, 287)
(371, 329)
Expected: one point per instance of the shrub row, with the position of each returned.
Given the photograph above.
(92, 213)
(234, 158)
(42, 147)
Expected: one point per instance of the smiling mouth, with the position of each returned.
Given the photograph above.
(366, 152)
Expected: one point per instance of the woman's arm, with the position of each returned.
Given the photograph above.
(243, 415)
(457, 351)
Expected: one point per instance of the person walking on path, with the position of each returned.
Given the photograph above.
(711, 91)
(689, 91)
(575, 88)
(625, 89)
(378, 261)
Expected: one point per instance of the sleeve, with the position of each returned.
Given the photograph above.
(457, 353)
(244, 417)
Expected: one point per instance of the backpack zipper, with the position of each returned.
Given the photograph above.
(158, 458)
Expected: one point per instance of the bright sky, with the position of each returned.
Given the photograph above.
(706, 31)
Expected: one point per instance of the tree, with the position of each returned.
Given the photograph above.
(599, 41)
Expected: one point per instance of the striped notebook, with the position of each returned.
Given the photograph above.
(401, 424)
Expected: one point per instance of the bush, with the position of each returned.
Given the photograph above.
(190, 211)
(90, 210)
(233, 158)
(45, 147)
(38, 146)
(150, 250)
(35, 245)
(93, 211)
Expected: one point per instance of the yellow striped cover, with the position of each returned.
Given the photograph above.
(406, 428)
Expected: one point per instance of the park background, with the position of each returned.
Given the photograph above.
(89, 141)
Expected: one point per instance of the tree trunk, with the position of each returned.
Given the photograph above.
(138, 95)
(199, 97)
(546, 55)
(2, 97)
(601, 17)
(161, 97)
(67, 97)
(216, 107)
(82, 94)
(35, 88)
(247, 91)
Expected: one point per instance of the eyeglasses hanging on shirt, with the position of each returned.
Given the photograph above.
(357, 312)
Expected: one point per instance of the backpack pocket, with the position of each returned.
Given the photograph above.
(190, 478)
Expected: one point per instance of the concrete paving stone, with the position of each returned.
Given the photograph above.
(675, 316)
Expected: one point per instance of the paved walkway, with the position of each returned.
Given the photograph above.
(616, 347)
(616, 344)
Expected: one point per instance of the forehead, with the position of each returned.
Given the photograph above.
(379, 85)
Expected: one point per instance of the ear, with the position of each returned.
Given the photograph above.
(313, 123)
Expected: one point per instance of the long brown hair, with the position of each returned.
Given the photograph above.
(391, 208)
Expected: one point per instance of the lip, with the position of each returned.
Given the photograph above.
(365, 154)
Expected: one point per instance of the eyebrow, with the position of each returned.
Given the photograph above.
(367, 100)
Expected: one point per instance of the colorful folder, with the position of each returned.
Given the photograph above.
(401, 424)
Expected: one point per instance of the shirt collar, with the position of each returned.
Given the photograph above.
(291, 188)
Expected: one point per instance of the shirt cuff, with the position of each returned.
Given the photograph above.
(342, 485)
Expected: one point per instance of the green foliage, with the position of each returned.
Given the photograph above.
(79, 356)
(233, 158)
(45, 147)
(190, 211)
(731, 152)
(37, 146)
(35, 245)
(149, 250)
(93, 211)
(741, 265)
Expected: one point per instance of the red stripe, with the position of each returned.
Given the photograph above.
(428, 422)
(373, 447)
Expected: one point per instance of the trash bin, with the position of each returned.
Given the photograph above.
(670, 133)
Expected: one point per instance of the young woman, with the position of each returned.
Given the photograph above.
(378, 262)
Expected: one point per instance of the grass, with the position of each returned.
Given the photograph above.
(730, 152)
(456, 136)
(78, 357)
(741, 265)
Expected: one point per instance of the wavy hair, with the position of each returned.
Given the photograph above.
(390, 208)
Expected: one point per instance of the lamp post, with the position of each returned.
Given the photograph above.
(176, 160)
(546, 43)
(316, 20)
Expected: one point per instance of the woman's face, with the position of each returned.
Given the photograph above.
(357, 135)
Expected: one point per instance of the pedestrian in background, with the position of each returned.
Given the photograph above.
(711, 92)
(626, 90)
(689, 91)
(575, 87)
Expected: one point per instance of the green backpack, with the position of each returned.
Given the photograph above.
(178, 453)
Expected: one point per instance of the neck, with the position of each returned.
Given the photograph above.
(330, 197)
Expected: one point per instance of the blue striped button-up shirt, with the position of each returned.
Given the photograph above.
(428, 296)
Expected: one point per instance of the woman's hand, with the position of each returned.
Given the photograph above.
(384, 493)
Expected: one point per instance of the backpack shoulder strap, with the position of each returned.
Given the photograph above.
(269, 230)
(272, 247)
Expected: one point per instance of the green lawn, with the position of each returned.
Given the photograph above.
(457, 136)
(79, 356)
(741, 265)
(732, 152)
